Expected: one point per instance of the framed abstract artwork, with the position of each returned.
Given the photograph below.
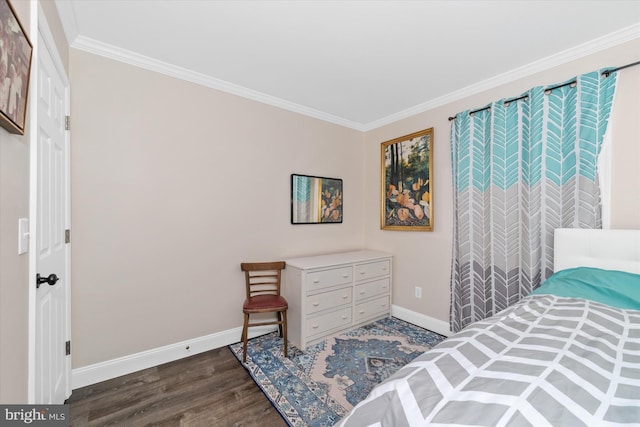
(407, 182)
(15, 67)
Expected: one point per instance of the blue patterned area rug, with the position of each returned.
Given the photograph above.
(319, 386)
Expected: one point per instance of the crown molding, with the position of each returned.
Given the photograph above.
(132, 58)
(67, 16)
(607, 41)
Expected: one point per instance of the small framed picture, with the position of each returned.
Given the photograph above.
(315, 199)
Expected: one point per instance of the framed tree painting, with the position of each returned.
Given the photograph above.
(407, 182)
(15, 66)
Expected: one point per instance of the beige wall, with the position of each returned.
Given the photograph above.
(423, 259)
(14, 268)
(625, 156)
(173, 185)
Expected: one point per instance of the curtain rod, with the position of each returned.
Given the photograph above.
(509, 101)
(605, 74)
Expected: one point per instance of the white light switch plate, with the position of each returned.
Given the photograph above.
(23, 235)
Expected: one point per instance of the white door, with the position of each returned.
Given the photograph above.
(52, 319)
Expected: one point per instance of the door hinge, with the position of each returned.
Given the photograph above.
(67, 122)
(67, 348)
(67, 236)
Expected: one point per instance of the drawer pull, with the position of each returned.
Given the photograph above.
(345, 275)
(316, 280)
(315, 326)
(344, 317)
(345, 296)
(361, 311)
(363, 272)
(315, 304)
(384, 269)
(362, 292)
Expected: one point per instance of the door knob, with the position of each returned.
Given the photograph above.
(51, 280)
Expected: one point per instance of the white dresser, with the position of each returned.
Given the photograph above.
(334, 292)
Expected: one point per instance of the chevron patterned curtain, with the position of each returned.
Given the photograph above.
(522, 168)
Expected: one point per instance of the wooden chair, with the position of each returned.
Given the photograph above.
(263, 296)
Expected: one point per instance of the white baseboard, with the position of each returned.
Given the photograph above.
(92, 374)
(87, 375)
(421, 320)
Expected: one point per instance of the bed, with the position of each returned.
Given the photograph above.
(566, 355)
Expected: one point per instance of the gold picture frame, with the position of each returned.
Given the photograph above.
(15, 67)
(407, 182)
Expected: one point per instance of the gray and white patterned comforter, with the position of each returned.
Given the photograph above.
(546, 361)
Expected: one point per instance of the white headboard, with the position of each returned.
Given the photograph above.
(606, 249)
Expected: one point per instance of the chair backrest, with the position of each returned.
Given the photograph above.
(262, 278)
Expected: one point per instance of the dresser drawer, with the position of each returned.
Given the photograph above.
(327, 278)
(370, 289)
(325, 300)
(321, 324)
(373, 269)
(367, 310)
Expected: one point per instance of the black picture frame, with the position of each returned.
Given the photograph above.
(316, 199)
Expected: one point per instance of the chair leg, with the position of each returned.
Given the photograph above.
(279, 323)
(244, 337)
(284, 332)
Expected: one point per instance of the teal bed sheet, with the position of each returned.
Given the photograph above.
(616, 288)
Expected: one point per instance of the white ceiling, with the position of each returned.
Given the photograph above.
(361, 64)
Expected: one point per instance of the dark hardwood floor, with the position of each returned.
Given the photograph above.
(208, 389)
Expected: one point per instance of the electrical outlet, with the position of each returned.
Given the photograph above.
(418, 292)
